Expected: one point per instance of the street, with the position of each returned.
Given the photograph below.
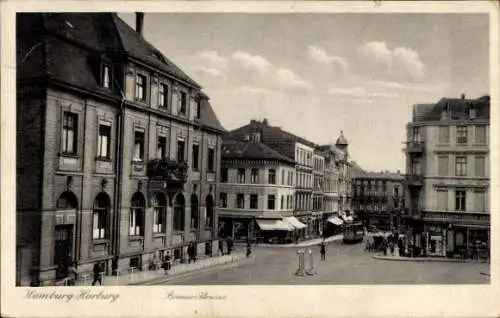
(344, 264)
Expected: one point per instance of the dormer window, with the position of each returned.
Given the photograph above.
(106, 76)
(445, 113)
(472, 113)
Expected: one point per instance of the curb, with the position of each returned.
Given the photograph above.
(297, 245)
(442, 260)
(166, 278)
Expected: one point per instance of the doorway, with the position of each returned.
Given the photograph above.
(62, 249)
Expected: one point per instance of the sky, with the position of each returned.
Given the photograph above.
(316, 74)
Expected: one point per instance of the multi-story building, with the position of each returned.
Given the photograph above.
(318, 191)
(300, 151)
(118, 150)
(378, 199)
(257, 191)
(447, 166)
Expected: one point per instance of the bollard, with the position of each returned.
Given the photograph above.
(311, 270)
(301, 270)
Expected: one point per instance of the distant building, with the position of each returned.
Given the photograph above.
(378, 199)
(257, 191)
(118, 150)
(448, 176)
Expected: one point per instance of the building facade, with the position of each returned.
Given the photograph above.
(257, 191)
(448, 176)
(318, 191)
(120, 150)
(378, 199)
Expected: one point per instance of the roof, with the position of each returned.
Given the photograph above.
(458, 109)
(234, 149)
(54, 45)
(386, 175)
(341, 141)
(275, 137)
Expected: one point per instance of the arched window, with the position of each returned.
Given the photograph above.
(136, 225)
(67, 201)
(195, 212)
(100, 216)
(179, 216)
(159, 213)
(209, 203)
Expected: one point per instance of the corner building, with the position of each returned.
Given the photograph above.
(448, 177)
(118, 150)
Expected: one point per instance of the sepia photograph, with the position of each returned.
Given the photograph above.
(237, 149)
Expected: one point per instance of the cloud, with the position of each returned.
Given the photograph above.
(242, 69)
(360, 93)
(317, 54)
(401, 63)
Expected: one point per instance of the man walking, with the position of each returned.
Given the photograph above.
(97, 274)
(323, 251)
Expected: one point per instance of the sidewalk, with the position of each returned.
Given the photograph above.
(307, 243)
(149, 276)
(425, 259)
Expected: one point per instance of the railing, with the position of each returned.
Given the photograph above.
(167, 169)
(414, 146)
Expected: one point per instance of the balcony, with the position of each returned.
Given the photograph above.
(414, 147)
(167, 169)
(414, 180)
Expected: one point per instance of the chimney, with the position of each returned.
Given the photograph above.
(462, 96)
(265, 122)
(139, 22)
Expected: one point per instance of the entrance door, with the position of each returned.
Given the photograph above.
(63, 248)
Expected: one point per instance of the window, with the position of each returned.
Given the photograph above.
(479, 201)
(195, 212)
(183, 103)
(179, 213)
(100, 216)
(272, 176)
(480, 166)
(211, 159)
(69, 133)
(197, 113)
(104, 141)
(282, 205)
(180, 150)
(240, 201)
(443, 166)
(209, 203)
(254, 201)
(106, 76)
(396, 191)
(282, 176)
(196, 155)
(270, 202)
(480, 137)
(461, 134)
(254, 177)
(223, 175)
(444, 134)
(140, 87)
(159, 213)
(241, 175)
(161, 150)
(162, 95)
(460, 200)
(139, 146)
(137, 215)
(461, 166)
(442, 200)
(416, 134)
(223, 200)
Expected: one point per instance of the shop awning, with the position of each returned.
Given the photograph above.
(295, 223)
(274, 225)
(335, 220)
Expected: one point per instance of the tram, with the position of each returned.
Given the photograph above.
(353, 233)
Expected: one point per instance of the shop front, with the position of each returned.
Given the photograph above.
(468, 241)
(435, 237)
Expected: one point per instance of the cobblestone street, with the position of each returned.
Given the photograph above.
(344, 264)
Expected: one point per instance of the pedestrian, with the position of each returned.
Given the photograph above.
(167, 262)
(249, 249)
(323, 251)
(384, 246)
(391, 247)
(367, 245)
(229, 245)
(73, 270)
(221, 246)
(97, 274)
